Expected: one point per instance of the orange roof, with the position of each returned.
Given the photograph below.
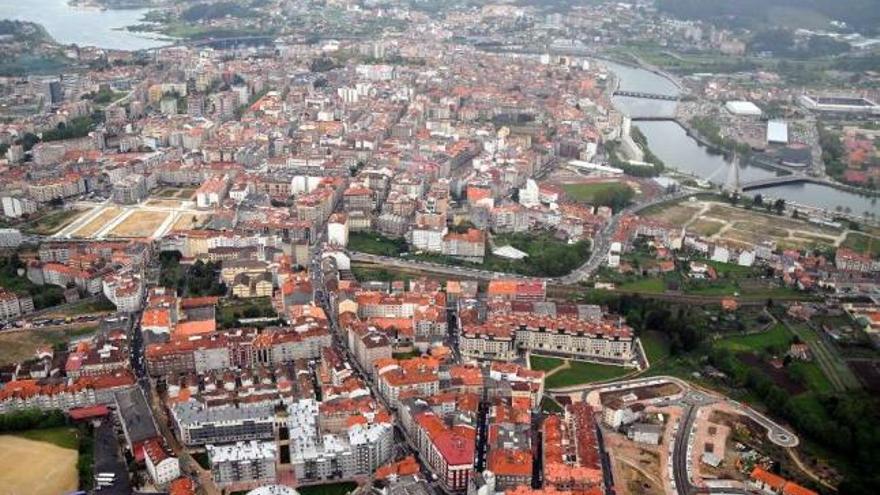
(510, 462)
(196, 327)
(182, 486)
(774, 481)
(158, 317)
(795, 489)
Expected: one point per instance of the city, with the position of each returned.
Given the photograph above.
(419, 247)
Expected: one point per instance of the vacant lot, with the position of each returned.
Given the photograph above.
(18, 346)
(51, 223)
(746, 227)
(97, 223)
(36, 467)
(140, 224)
(187, 221)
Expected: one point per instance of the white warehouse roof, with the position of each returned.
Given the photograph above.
(742, 108)
(777, 132)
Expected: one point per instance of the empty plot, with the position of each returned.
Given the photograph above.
(188, 221)
(140, 224)
(97, 223)
(677, 214)
(36, 468)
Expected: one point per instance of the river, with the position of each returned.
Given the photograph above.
(84, 26)
(670, 143)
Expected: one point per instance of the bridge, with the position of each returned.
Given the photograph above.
(783, 179)
(649, 96)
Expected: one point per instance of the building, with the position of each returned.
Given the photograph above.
(502, 337)
(246, 285)
(13, 305)
(337, 229)
(197, 424)
(162, 468)
(320, 451)
(10, 238)
(743, 108)
(243, 462)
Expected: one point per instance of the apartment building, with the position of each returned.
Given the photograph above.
(197, 424)
(243, 462)
(501, 337)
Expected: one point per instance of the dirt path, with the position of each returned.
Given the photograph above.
(792, 453)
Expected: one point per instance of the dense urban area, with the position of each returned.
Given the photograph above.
(440, 247)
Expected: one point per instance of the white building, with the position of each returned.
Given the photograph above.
(530, 196)
(161, 467)
(10, 238)
(743, 108)
(243, 462)
(314, 456)
(721, 254)
(16, 207)
(777, 132)
(337, 229)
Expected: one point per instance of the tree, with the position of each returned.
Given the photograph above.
(759, 200)
(779, 206)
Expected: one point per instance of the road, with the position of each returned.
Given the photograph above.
(691, 401)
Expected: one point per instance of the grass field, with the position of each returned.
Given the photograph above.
(589, 193)
(334, 489)
(580, 372)
(644, 285)
(140, 224)
(656, 346)
(375, 243)
(777, 336)
(542, 363)
(97, 223)
(18, 346)
(100, 305)
(62, 436)
(36, 467)
(51, 223)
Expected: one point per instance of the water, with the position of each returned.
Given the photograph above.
(670, 143)
(84, 26)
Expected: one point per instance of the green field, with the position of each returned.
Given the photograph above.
(581, 372)
(813, 377)
(232, 310)
(656, 346)
(550, 405)
(18, 346)
(376, 243)
(334, 489)
(542, 363)
(777, 337)
(62, 436)
(644, 285)
(600, 193)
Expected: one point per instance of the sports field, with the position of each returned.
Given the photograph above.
(140, 224)
(36, 468)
